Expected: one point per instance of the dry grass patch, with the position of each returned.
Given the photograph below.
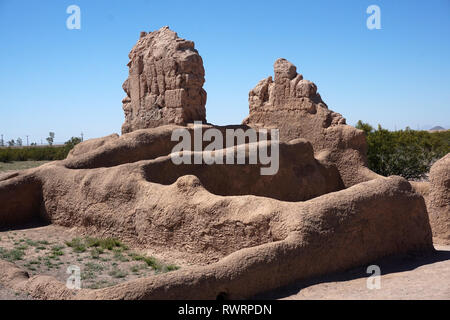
(103, 261)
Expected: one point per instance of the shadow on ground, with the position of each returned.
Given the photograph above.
(35, 223)
(387, 265)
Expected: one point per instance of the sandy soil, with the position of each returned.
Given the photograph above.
(409, 277)
(50, 250)
(7, 294)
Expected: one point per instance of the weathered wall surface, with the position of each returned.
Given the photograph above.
(271, 243)
(293, 105)
(165, 83)
(438, 200)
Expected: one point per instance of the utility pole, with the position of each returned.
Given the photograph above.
(2, 143)
(27, 141)
(81, 136)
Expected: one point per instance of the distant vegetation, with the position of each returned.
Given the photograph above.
(407, 153)
(36, 153)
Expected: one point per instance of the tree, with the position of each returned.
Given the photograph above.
(367, 128)
(50, 138)
(69, 144)
(19, 142)
(11, 143)
(407, 153)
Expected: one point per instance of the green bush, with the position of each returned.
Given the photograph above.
(34, 153)
(407, 153)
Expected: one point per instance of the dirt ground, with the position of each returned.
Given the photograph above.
(51, 250)
(20, 165)
(7, 294)
(402, 278)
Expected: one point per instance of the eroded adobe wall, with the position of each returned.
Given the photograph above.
(438, 200)
(293, 105)
(327, 234)
(165, 83)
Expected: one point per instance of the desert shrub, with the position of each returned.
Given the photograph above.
(57, 250)
(117, 273)
(106, 244)
(77, 244)
(150, 261)
(34, 153)
(407, 153)
(172, 267)
(72, 143)
(11, 255)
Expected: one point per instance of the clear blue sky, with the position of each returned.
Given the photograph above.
(70, 81)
